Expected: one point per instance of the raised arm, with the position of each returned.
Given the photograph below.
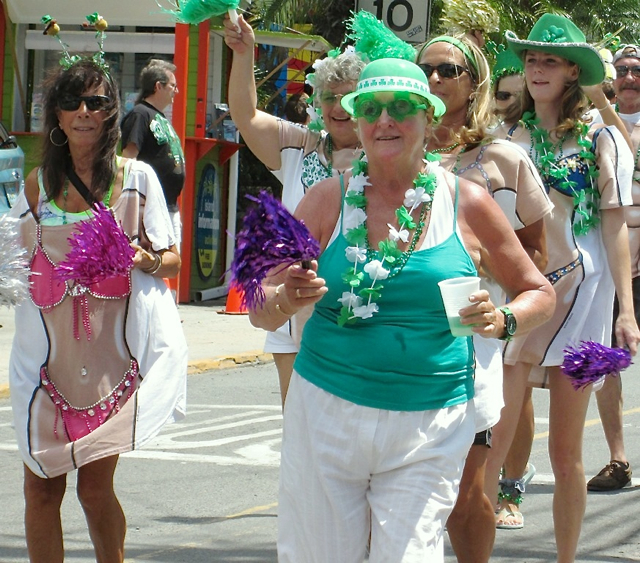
(259, 130)
(607, 111)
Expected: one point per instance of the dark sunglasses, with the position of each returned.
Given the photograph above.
(623, 70)
(93, 103)
(504, 96)
(398, 109)
(445, 70)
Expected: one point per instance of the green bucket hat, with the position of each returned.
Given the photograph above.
(393, 75)
(559, 36)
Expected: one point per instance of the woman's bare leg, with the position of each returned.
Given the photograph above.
(105, 518)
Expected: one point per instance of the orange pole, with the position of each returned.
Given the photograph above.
(203, 78)
(181, 58)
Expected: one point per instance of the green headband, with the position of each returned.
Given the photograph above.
(459, 44)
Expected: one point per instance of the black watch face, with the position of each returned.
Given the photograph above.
(510, 325)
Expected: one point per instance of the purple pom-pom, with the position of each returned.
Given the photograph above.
(270, 237)
(588, 363)
(98, 249)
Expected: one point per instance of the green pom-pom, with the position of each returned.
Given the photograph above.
(196, 11)
(373, 40)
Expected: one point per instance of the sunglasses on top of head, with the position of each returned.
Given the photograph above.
(93, 103)
(445, 70)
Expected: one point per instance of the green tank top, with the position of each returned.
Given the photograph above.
(404, 358)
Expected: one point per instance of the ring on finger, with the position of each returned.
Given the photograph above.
(298, 293)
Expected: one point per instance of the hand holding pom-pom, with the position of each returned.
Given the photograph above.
(591, 361)
(99, 249)
(270, 237)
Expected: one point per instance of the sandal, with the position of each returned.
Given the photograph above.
(502, 522)
(511, 492)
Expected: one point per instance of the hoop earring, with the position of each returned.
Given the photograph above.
(66, 139)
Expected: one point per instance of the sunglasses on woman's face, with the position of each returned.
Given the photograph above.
(503, 96)
(330, 98)
(398, 109)
(445, 70)
(93, 103)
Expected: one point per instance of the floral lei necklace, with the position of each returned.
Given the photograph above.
(586, 201)
(388, 261)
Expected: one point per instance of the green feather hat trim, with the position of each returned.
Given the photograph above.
(373, 40)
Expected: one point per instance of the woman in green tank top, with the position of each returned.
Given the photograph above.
(378, 419)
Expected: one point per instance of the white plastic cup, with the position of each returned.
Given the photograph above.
(455, 295)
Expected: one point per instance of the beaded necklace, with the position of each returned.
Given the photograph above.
(388, 261)
(542, 152)
(446, 149)
(329, 145)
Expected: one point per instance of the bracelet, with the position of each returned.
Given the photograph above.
(605, 107)
(157, 263)
(278, 308)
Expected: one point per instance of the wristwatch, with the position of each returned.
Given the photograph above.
(510, 324)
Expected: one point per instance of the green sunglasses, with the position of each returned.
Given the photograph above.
(401, 107)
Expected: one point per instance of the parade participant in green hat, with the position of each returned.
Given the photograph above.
(588, 181)
(506, 77)
(559, 36)
(378, 418)
(298, 157)
(459, 74)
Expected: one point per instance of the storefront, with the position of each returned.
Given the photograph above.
(137, 32)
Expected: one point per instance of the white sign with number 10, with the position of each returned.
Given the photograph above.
(406, 18)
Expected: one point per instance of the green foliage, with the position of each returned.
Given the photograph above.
(595, 18)
(327, 17)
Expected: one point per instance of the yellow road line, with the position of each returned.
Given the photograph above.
(588, 423)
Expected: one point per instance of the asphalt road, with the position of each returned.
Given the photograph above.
(206, 489)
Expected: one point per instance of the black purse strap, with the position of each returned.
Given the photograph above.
(80, 186)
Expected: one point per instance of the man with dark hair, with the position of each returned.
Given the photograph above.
(148, 136)
(295, 109)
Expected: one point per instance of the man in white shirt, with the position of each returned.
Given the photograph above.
(626, 83)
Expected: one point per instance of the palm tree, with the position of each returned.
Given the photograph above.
(595, 17)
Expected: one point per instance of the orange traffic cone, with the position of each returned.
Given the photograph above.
(234, 302)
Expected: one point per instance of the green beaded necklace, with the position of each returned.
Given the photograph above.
(542, 152)
(446, 149)
(329, 144)
(388, 261)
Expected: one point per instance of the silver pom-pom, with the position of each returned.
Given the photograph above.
(14, 271)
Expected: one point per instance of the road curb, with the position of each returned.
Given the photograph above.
(226, 362)
(200, 366)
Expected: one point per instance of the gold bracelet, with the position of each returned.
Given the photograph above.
(278, 308)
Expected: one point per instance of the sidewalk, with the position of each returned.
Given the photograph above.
(215, 340)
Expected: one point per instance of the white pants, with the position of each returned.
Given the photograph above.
(347, 469)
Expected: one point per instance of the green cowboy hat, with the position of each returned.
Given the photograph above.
(393, 75)
(560, 36)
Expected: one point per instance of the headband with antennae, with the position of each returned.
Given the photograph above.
(94, 20)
